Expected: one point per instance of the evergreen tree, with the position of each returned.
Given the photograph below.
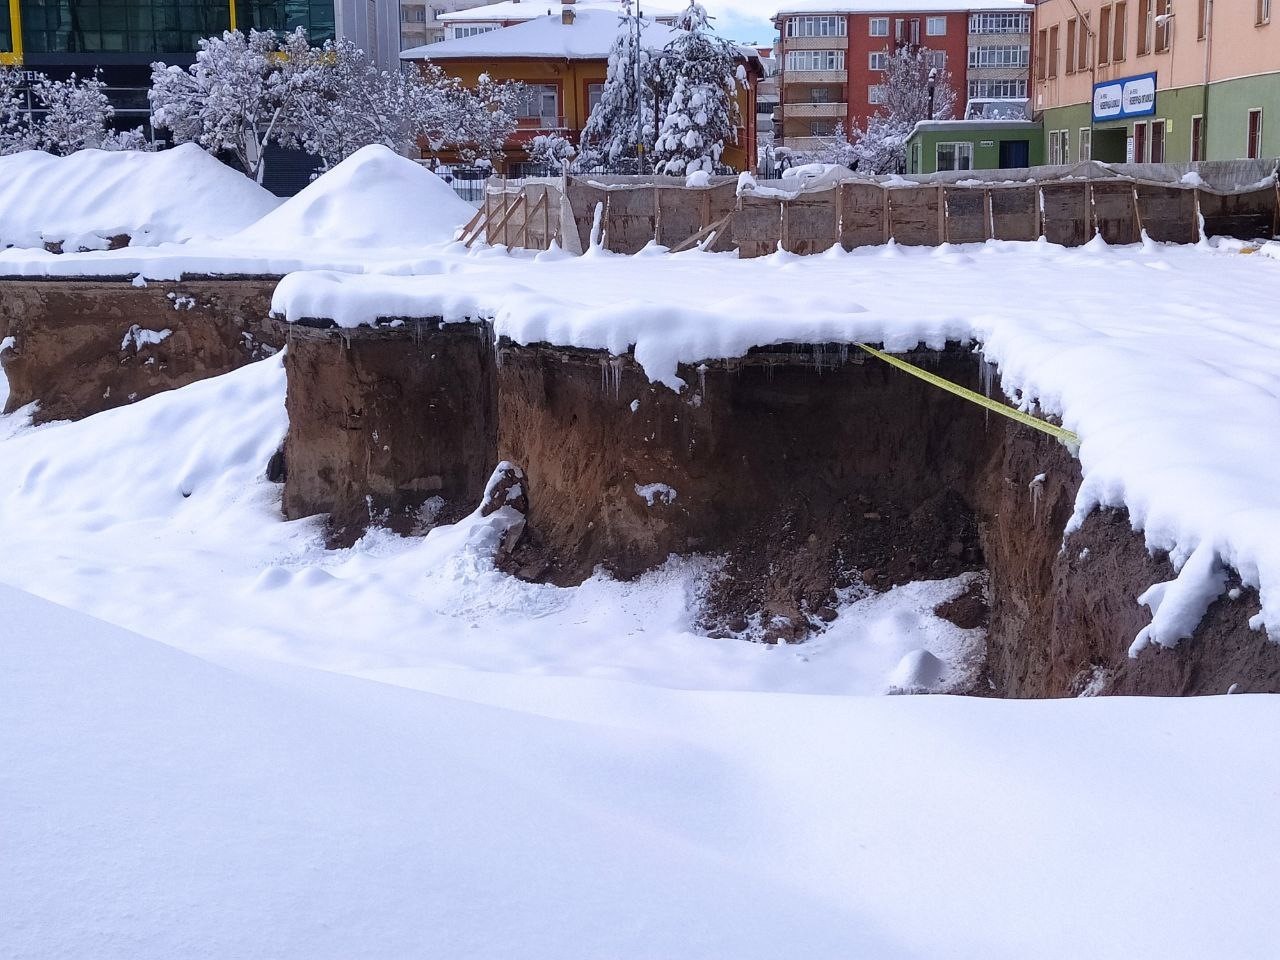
(702, 112)
(622, 121)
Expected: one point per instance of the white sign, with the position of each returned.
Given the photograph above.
(1127, 97)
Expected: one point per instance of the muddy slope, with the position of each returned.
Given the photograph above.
(810, 469)
(393, 426)
(82, 346)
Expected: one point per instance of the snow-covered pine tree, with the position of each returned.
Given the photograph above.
(623, 120)
(881, 148)
(233, 98)
(702, 112)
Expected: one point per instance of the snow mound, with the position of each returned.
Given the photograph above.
(90, 196)
(373, 198)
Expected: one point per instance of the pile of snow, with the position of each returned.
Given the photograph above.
(84, 199)
(374, 198)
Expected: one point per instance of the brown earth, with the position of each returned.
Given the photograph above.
(75, 351)
(388, 425)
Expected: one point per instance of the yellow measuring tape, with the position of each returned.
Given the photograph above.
(1058, 433)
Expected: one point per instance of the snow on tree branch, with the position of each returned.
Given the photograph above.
(64, 116)
(909, 74)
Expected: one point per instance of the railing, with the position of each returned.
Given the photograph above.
(541, 123)
(810, 109)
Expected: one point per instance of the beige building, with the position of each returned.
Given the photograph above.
(1157, 80)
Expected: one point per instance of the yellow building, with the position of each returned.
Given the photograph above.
(563, 59)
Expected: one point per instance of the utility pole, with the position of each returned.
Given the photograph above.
(639, 98)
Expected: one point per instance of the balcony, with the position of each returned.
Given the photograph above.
(540, 124)
(815, 43)
(814, 76)
(804, 109)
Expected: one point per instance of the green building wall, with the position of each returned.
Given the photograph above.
(986, 146)
(1224, 106)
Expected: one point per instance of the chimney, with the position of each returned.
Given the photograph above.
(567, 13)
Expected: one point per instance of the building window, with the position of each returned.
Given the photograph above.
(282, 16)
(1120, 31)
(1086, 143)
(815, 60)
(1197, 138)
(1202, 19)
(540, 105)
(822, 128)
(1253, 147)
(1055, 148)
(878, 27)
(413, 14)
(1042, 55)
(471, 30)
(1263, 12)
(876, 94)
(1146, 26)
(820, 95)
(1071, 45)
(1157, 141)
(1053, 51)
(1082, 48)
(935, 26)
(938, 59)
(1162, 30)
(1104, 36)
(595, 91)
(815, 26)
(955, 156)
(999, 56)
(878, 60)
(999, 23)
(1139, 143)
(997, 89)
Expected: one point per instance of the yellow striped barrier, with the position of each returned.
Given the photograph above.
(1035, 423)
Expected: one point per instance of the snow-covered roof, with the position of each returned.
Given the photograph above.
(589, 37)
(904, 6)
(532, 9)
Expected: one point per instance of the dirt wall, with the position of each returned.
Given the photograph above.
(82, 346)
(393, 425)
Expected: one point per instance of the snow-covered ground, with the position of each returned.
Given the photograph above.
(229, 741)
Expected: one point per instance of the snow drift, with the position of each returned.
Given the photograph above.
(84, 200)
(374, 198)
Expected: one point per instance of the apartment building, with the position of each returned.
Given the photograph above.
(1157, 80)
(833, 53)
(420, 20)
(437, 20)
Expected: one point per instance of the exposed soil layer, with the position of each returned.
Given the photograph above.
(1063, 615)
(809, 469)
(82, 346)
(393, 425)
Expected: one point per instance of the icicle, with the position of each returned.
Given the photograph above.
(1036, 489)
(702, 378)
(615, 376)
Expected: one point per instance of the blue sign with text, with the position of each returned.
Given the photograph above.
(1125, 97)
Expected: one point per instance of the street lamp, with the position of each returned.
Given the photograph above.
(933, 81)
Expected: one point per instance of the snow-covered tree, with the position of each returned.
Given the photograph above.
(550, 150)
(881, 147)
(66, 116)
(836, 149)
(623, 120)
(236, 95)
(702, 112)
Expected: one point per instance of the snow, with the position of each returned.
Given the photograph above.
(138, 337)
(589, 37)
(86, 198)
(373, 198)
(160, 805)
(656, 493)
(519, 10)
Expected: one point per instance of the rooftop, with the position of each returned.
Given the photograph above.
(904, 6)
(589, 37)
(532, 9)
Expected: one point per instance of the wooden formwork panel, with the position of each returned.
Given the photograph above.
(681, 214)
(631, 219)
(722, 201)
(863, 213)
(542, 216)
(915, 215)
(582, 201)
(1066, 217)
(964, 215)
(758, 225)
(1115, 214)
(811, 222)
(1168, 213)
(1246, 216)
(1015, 213)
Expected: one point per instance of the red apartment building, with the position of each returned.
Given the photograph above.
(832, 54)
